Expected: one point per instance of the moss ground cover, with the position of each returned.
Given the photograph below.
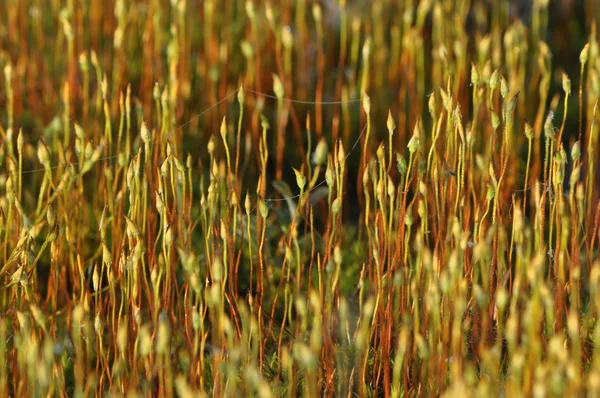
(299, 198)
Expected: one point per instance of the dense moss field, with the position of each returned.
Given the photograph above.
(299, 198)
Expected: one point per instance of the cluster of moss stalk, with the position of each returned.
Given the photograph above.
(298, 198)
